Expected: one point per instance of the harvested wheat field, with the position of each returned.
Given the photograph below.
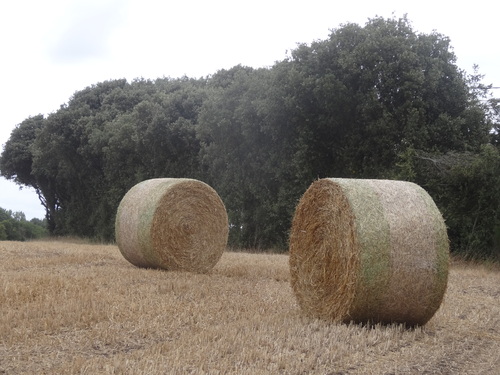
(75, 308)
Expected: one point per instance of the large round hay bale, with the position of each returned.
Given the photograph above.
(368, 251)
(173, 224)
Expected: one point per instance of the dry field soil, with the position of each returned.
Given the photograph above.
(75, 308)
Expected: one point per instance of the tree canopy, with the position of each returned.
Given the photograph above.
(372, 101)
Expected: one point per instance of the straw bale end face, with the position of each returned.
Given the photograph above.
(370, 251)
(172, 224)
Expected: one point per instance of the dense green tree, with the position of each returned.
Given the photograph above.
(246, 129)
(16, 163)
(345, 107)
(104, 140)
(238, 154)
(17, 158)
(367, 93)
(63, 157)
(466, 188)
(3, 232)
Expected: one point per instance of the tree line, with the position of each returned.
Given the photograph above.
(372, 101)
(15, 227)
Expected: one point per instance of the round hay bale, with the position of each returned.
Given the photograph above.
(368, 251)
(172, 224)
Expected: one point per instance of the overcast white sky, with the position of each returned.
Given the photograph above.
(50, 49)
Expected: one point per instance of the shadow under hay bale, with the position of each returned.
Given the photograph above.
(370, 251)
(173, 224)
